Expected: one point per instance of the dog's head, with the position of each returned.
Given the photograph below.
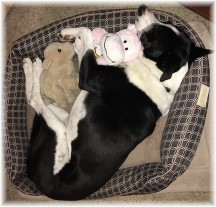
(169, 46)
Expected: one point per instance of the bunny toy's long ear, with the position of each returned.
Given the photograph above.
(47, 63)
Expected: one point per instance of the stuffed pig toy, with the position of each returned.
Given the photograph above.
(115, 48)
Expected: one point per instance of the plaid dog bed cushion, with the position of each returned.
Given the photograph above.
(181, 134)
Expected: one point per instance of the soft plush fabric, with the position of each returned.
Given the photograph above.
(115, 48)
(58, 80)
(181, 134)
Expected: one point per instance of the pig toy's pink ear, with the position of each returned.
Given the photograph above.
(97, 34)
(132, 28)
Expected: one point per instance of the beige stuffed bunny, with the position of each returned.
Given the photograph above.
(58, 78)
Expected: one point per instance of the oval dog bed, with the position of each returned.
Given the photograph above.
(181, 134)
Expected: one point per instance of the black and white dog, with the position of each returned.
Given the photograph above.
(72, 156)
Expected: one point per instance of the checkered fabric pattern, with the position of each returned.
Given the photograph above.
(181, 134)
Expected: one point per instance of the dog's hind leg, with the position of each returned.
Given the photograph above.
(32, 72)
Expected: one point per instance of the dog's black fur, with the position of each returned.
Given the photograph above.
(119, 116)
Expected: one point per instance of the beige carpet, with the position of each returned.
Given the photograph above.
(34, 17)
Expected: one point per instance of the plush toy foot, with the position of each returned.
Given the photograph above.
(27, 66)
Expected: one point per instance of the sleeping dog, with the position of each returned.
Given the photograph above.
(72, 156)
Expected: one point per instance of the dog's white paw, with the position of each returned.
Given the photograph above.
(62, 156)
(27, 66)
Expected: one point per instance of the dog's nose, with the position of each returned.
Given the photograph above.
(142, 9)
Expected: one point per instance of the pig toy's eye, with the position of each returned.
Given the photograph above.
(126, 48)
(59, 50)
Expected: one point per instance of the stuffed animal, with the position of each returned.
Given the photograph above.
(59, 81)
(115, 48)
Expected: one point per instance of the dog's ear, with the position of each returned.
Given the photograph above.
(167, 62)
(196, 52)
